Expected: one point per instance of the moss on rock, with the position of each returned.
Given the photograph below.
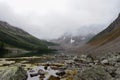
(13, 73)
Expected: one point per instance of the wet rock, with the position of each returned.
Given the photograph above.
(13, 73)
(53, 78)
(41, 72)
(42, 76)
(31, 70)
(95, 73)
(61, 73)
(33, 75)
(54, 67)
(58, 68)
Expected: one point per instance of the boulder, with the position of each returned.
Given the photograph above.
(86, 58)
(111, 59)
(95, 73)
(13, 73)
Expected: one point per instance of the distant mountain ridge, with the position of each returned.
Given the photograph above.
(18, 38)
(68, 41)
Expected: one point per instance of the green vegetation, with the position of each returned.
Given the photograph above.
(21, 41)
(17, 38)
(2, 49)
(29, 54)
(1, 46)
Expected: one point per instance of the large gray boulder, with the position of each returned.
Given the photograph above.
(13, 73)
(95, 73)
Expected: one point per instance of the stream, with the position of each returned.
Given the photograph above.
(49, 72)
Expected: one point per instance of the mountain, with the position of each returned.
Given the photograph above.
(106, 41)
(11, 36)
(109, 34)
(73, 40)
(68, 42)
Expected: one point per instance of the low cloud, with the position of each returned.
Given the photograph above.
(48, 19)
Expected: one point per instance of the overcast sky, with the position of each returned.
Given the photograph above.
(47, 19)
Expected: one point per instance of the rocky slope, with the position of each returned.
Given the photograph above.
(11, 36)
(109, 34)
(106, 41)
(62, 67)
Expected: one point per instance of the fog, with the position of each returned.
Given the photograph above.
(49, 19)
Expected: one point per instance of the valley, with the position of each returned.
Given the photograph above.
(90, 57)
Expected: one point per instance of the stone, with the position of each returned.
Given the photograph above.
(111, 70)
(13, 73)
(71, 72)
(95, 73)
(41, 72)
(6, 63)
(96, 62)
(113, 58)
(33, 75)
(105, 61)
(53, 78)
(42, 76)
(69, 61)
(118, 73)
(86, 59)
(61, 73)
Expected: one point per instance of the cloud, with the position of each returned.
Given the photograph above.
(49, 19)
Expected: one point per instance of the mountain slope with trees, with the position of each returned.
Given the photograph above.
(11, 36)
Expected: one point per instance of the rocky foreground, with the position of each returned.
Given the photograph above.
(61, 67)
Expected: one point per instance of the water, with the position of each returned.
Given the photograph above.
(4, 54)
(48, 72)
